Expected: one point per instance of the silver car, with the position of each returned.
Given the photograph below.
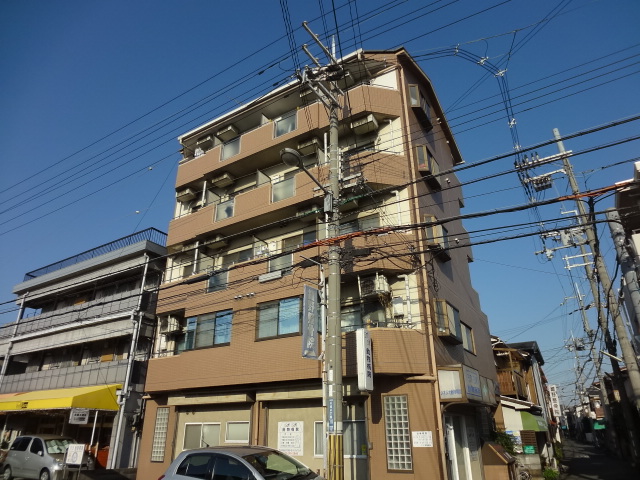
(39, 457)
(237, 463)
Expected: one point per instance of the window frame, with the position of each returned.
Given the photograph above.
(201, 424)
(397, 423)
(160, 429)
(286, 116)
(223, 156)
(261, 307)
(237, 422)
(224, 204)
(468, 341)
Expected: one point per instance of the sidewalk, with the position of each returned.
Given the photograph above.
(585, 462)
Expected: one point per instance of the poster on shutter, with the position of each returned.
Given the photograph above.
(290, 438)
(422, 438)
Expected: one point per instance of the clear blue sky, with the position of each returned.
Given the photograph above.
(94, 94)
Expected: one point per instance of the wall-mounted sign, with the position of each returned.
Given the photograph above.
(365, 360)
(310, 314)
(290, 437)
(450, 385)
(75, 451)
(472, 383)
(422, 438)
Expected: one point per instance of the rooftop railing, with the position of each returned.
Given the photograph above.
(150, 234)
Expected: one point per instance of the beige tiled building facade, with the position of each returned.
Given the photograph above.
(248, 235)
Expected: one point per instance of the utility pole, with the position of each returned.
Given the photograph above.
(316, 78)
(614, 310)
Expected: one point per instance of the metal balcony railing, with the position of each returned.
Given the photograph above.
(150, 234)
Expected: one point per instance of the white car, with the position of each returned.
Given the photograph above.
(39, 457)
(237, 463)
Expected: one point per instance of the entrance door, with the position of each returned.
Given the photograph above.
(462, 448)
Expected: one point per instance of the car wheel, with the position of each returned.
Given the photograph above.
(44, 475)
(6, 474)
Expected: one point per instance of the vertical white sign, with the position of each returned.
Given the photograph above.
(365, 360)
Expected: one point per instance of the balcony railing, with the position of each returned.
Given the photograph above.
(66, 377)
(150, 234)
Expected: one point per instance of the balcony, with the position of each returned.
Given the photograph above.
(67, 377)
(512, 383)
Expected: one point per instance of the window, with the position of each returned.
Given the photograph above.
(36, 446)
(285, 260)
(237, 432)
(467, 338)
(420, 107)
(224, 210)
(197, 465)
(360, 224)
(448, 321)
(354, 438)
(437, 237)
(230, 148)
(398, 437)
(218, 281)
(198, 435)
(213, 329)
(206, 331)
(350, 318)
(160, 434)
(285, 124)
(283, 188)
(281, 317)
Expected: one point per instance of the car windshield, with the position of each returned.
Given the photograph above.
(272, 464)
(58, 445)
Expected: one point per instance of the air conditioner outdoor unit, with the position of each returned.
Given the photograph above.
(171, 324)
(216, 242)
(364, 125)
(185, 195)
(309, 147)
(227, 133)
(223, 180)
(373, 286)
(206, 142)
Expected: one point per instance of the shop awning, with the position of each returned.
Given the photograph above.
(99, 397)
(533, 422)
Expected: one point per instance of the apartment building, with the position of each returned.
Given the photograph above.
(249, 234)
(74, 361)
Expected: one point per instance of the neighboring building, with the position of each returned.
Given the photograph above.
(524, 410)
(79, 348)
(248, 236)
(628, 208)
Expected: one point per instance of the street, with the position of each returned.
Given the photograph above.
(586, 462)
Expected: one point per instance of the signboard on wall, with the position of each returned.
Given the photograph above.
(290, 438)
(472, 383)
(422, 438)
(310, 314)
(365, 360)
(450, 385)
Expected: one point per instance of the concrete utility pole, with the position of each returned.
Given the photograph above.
(614, 310)
(625, 261)
(315, 79)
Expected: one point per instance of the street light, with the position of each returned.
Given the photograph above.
(333, 352)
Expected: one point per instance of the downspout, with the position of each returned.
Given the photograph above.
(115, 456)
(5, 363)
(428, 321)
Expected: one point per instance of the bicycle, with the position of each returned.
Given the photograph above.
(522, 472)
